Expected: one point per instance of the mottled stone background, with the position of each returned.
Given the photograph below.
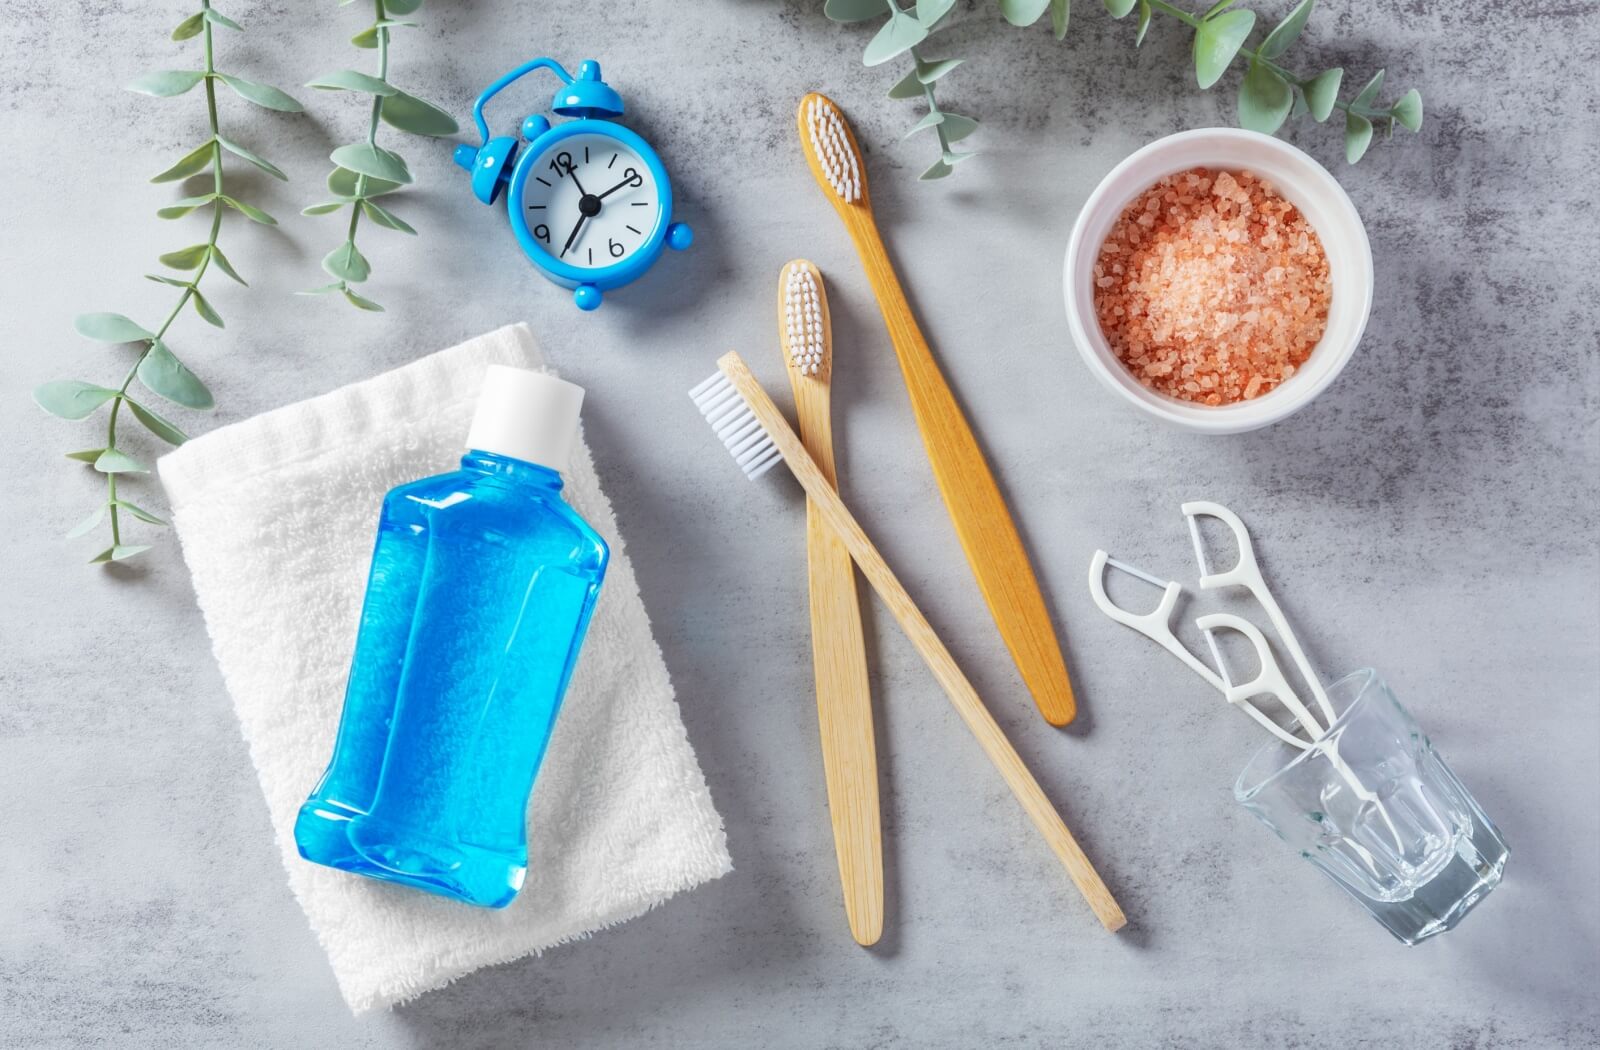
(1433, 514)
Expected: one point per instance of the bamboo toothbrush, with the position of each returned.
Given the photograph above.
(758, 437)
(838, 653)
(983, 524)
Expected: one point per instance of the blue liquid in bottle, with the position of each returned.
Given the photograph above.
(482, 585)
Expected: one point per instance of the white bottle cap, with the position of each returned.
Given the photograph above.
(526, 415)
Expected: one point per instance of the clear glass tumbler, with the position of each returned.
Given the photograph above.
(1375, 808)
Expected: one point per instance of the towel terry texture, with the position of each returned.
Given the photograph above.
(277, 516)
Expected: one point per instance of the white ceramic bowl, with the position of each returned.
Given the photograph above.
(1309, 187)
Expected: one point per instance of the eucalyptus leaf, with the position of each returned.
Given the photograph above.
(203, 307)
(1119, 8)
(953, 158)
(224, 265)
(347, 262)
(1322, 91)
(361, 302)
(416, 115)
(1265, 100)
(120, 552)
(1023, 12)
(87, 525)
(179, 208)
(71, 398)
(249, 211)
(401, 7)
(261, 94)
(254, 158)
(154, 423)
(1144, 22)
(929, 72)
(367, 159)
(190, 164)
(1287, 31)
(1408, 111)
(351, 80)
(88, 455)
(1299, 108)
(162, 373)
(342, 183)
(900, 34)
(957, 127)
(324, 208)
(139, 512)
(854, 10)
(166, 83)
(908, 86)
(116, 461)
(931, 120)
(1369, 94)
(368, 37)
(218, 18)
(188, 258)
(1357, 136)
(383, 217)
(930, 11)
(111, 328)
(336, 286)
(163, 279)
(1060, 13)
(1216, 42)
(938, 170)
(190, 27)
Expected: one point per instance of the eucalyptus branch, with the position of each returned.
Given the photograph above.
(365, 171)
(903, 33)
(155, 366)
(949, 127)
(1268, 94)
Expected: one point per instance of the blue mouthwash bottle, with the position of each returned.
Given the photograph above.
(482, 584)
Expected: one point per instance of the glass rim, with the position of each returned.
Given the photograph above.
(1242, 793)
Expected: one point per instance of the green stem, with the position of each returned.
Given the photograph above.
(189, 290)
(1194, 21)
(372, 122)
(933, 106)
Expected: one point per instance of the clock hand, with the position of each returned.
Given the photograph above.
(573, 235)
(631, 180)
(574, 173)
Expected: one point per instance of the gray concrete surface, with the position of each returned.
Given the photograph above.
(1434, 514)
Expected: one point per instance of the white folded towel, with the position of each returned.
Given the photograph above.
(277, 516)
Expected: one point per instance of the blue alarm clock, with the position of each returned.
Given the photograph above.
(589, 200)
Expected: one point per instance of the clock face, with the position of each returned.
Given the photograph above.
(590, 201)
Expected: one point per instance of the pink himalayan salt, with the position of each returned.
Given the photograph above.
(1211, 287)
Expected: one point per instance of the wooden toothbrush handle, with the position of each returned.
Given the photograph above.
(983, 523)
(962, 696)
(844, 697)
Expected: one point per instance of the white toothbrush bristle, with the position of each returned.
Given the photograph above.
(830, 144)
(730, 418)
(804, 336)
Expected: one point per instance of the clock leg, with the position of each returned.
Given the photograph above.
(679, 236)
(587, 296)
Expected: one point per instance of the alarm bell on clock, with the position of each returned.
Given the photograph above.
(589, 199)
